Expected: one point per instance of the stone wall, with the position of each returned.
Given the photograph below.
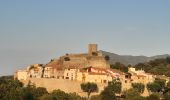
(64, 85)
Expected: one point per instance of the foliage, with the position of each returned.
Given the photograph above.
(154, 96)
(157, 86)
(61, 95)
(89, 88)
(153, 87)
(167, 96)
(132, 94)
(95, 97)
(161, 82)
(139, 87)
(114, 86)
(67, 59)
(157, 66)
(10, 89)
(120, 67)
(107, 58)
(108, 94)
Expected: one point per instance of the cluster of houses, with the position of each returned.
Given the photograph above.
(86, 67)
(87, 74)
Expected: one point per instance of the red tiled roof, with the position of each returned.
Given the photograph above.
(93, 73)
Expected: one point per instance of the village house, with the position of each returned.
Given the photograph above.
(136, 76)
(35, 71)
(21, 75)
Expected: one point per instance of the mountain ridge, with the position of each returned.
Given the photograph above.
(129, 59)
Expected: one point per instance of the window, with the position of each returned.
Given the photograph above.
(125, 81)
(104, 81)
(67, 74)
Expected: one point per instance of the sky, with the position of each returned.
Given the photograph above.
(35, 31)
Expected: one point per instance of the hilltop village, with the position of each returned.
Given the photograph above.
(69, 71)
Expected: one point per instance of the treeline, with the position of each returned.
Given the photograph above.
(120, 67)
(11, 89)
(157, 66)
(14, 90)
(158, 90)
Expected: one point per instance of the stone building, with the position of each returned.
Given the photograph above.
(136, 76)
(92, 58)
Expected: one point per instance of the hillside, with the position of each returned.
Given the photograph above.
(128, 59)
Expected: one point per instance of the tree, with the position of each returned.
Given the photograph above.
(161, 82)
(153, 87)
(115, 86)
(67, 59)
(119, 66)
(167, 96)
(157, 86)
(95, 97)
(154, 96)
(89, 88)
(107, 58)
(139, 87)
(108, 94)
(132, 94)
(40, 91)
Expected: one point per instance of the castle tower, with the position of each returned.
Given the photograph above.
(92, 49)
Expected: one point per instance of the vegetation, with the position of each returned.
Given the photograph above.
(120, 67)
(133, 94)
(157, 86)
(14, 90)
(154, 96)
(67, 59)
(107, 58)
(61, 95)
(157, 66)
(109, 92)
(139, 87)
(89, 88)
(11, 89)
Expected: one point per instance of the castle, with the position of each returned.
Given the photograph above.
(55, 68)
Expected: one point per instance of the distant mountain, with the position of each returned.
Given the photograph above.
(128, 59)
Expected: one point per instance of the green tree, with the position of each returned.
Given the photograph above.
(95, 97)
(153, 87)
(132, 94)
(107, 94)
(89, 88)
(107, 58)
(40, 91)
(161, 82)
(167, 96)
(115, 86)
(154, 96)
(139, 87)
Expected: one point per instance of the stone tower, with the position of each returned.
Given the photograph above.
(92, 49)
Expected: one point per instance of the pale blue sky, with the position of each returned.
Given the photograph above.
(34, 31)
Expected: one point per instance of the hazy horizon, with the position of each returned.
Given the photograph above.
(37, 31)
